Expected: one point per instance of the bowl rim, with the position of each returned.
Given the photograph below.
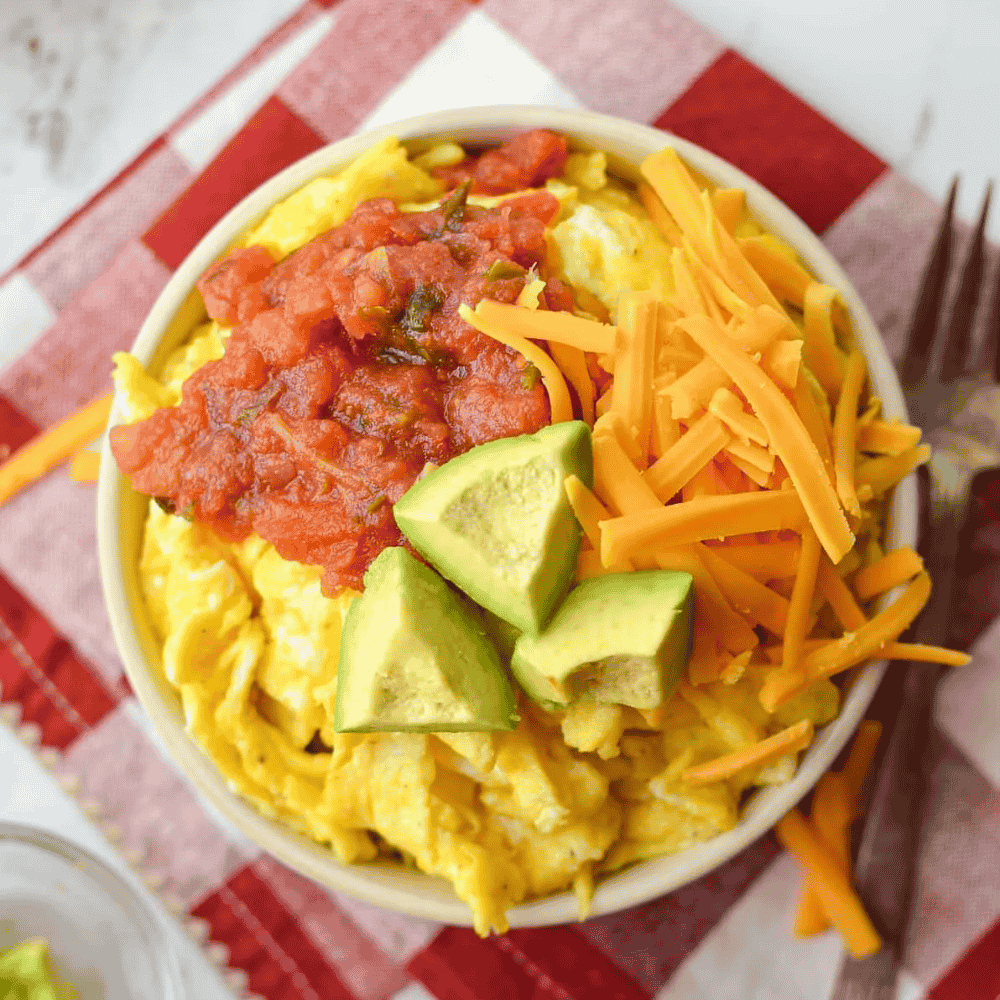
(417, 894)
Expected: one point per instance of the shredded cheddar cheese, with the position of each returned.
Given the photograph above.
(729, 410)
(882, 473)
(821, 352)
(699, 519)
(840, 903)
(539, 324)
(560, 404)
(831, 818)
(862, 644)
(776, 264)
(624, 483)
(759, 603)
(797, 625)
(764, 561)
(835, 804)
(573, 364)
(634, 360)
(57, 444)
(85, 467)
(790, 740)
(888, 572)
(845, 428)
(687, 456)
(882, 438)
(787, 434)
(782, 361)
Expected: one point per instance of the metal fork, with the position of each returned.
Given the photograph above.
(953, 392)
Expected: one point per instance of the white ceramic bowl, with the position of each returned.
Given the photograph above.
(121, 513)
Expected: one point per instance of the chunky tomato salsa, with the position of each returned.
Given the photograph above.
(348, 369)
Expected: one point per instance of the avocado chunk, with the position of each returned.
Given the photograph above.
(413, 658)
(497, 523)
(624, 639)
(27, 973)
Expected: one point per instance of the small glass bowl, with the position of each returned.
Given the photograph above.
(102, 935)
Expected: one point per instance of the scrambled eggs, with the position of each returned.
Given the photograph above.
(251, 645)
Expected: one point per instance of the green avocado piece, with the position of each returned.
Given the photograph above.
(497, 523)
(414, 659)
(26, 973)
(624, 639)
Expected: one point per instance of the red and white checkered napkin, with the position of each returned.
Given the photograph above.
(329, 70)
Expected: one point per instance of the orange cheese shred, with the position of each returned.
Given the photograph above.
(782, 361)
(831, 819)
(918, 652)
(753, 472)
(696, 520)
(666, 430)
(835, 805)
(824, 358)
(732, 629)
(85, 467)
(845, 425)
(764, 561)
(634, 361)
(815, 421)
(788, 436)
(883, 438)
(541, 324)
(789, 740)
(770, 259)
(55, 445)
(695, 388)
(728, 204)
(859, 760)
(612, 424)
(862, 644)
(560, 404)
(752, 454)
(704, 439)
(797, 626)
(728, 408)
(706, 662)
(662, 219)
(573, 365)
(882, 473)
(588, 509)
(692, 296)
(838, 595)
(747, 596)
(693, 213)
(890, 571)
(914, 652)
(623, 482)
(840, 902)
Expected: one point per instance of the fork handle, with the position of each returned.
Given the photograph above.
(868, 978)
(885, 871)
(886, 866)
(888, 849)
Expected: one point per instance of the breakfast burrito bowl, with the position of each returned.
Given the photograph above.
(487, 818)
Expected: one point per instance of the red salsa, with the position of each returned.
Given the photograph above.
(348, 370)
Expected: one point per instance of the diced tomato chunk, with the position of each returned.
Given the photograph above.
(526, 160)
(221, 284)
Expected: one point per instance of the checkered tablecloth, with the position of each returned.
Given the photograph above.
(82, 293)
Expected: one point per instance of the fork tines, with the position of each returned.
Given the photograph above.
(954, 347)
